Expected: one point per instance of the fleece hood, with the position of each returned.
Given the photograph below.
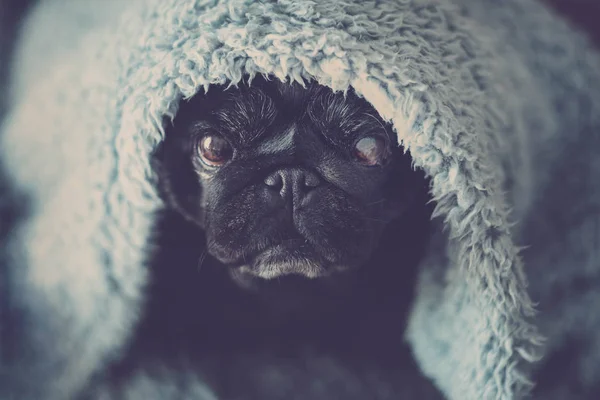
(465, 84)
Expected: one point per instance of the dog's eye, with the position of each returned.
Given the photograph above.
(371, 151)
(214, 150)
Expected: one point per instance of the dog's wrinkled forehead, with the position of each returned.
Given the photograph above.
(247, 112)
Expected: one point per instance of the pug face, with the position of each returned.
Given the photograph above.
(285, 180)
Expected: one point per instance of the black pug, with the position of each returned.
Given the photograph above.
(295, 222)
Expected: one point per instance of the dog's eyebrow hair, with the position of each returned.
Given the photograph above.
(334, 109)
(247, 114)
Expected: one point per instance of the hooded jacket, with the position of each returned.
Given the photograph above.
(498, 102)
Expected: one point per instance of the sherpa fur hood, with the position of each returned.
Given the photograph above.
(476, 91)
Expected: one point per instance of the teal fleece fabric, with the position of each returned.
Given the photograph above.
(497, 101)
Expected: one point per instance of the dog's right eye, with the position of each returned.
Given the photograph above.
(371, 151)
(214, 150)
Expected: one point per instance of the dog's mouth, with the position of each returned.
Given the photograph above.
(286, 251)
(291, 257)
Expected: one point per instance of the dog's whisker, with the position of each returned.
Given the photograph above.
(201, 260)
(287, 241)
(376, 202)
(375, 219)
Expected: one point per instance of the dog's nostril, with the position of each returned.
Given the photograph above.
(291, 182)
(274, 180)
(292, 179)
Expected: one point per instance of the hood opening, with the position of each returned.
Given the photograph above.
(406, 177)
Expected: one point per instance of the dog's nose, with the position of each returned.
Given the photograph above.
(293, 183)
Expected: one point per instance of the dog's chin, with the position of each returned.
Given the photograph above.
(287, 259)
(290, 260)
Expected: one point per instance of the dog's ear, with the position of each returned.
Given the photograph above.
(406, 186)
(177, 183)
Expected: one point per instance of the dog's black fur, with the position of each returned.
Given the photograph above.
(373, 221)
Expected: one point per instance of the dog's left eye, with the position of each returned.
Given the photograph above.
(214, 150)
(371, 151)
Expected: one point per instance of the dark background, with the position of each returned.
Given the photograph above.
(584, 13)
(10, 15)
